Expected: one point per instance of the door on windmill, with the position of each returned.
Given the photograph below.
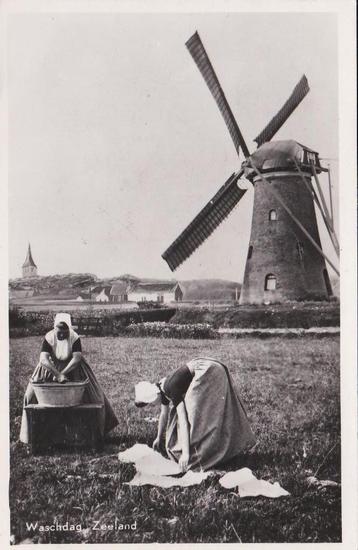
(270, 282)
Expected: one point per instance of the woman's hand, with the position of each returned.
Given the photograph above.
(61, 378)
(183, 462)
(156, 444)
(75, 361)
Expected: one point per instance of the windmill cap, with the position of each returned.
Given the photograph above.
(280, 155)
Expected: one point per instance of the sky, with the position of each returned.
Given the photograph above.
(115, 142)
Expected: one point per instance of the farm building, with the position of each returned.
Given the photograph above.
(83, 297)
(103, 295)
(156, 292)
(119, 293)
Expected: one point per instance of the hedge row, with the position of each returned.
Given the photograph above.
(170, 330)
(157, 330)
(99, 323)
(290, 315)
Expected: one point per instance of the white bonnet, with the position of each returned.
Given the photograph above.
(63, 318)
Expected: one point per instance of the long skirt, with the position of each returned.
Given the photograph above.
(219, 428)
(93, 394)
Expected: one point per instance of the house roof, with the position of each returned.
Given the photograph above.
(106, 290)
(119, 288)
(154, 287)
(84, 295)
(100, 288)
(29, 261)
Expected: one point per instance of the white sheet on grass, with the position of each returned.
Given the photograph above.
(188, 479)
(134, 453)
(156, 465)
(149, 462)
(153, 469)
(249, 486)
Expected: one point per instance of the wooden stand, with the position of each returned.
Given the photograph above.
(64, 427)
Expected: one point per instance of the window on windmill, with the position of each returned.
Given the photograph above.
(270, 282)
(249, 254)
(272, 215)
(311, 157)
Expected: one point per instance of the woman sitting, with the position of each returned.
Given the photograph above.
(202, 417)
(61, 360)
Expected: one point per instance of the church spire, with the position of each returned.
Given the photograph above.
(29, 268)
(29, 261)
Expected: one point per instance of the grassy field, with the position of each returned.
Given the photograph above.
(291, 390)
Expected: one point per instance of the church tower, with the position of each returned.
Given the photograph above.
(29, 268)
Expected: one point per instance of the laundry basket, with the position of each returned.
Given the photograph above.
(55, 394)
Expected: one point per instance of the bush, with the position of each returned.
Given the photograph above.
(150, 305)
(15, 317)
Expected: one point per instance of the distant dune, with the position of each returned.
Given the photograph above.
(210, 289)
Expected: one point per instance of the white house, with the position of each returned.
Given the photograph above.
(103, 296)
(163, 293)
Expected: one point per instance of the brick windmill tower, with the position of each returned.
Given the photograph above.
(29, 268)
(285, 260)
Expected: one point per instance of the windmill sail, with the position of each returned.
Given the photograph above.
(208, 219)
(198, 53)
(299, 92)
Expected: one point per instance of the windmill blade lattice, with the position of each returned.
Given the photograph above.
(208, 219)
(299, 92)
(198, 53)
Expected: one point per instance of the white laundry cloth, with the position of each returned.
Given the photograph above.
(134, 453)
(153, 469)
(249, 486)
(233, 479)
(149, 462)
(261, 487)
(188, 479)
(156, 465)
(312, 481)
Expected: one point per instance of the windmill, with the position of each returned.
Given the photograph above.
(285, 260)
